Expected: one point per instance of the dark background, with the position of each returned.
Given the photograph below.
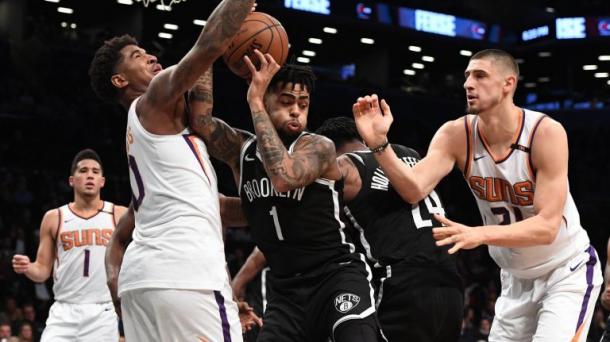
(48, 111)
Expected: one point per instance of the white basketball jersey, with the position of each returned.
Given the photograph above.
(79, 274)
(504, 189)
(177, 240)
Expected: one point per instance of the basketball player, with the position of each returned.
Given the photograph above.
(420, 291)
(419, 296)
(172, 283)
(515, 162)
(290, 185)
(73, 241)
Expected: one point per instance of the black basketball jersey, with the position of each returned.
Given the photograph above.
(299, 230)
(392, 230)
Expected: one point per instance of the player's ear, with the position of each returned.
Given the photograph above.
(102, 182)
(119, 81)
(71, 181)
(510, 82)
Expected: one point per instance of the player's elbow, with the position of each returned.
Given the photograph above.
(551, 231)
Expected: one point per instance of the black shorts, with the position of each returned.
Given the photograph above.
(409, 312)
(309, 308)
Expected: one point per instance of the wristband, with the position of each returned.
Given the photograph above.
(381, 147)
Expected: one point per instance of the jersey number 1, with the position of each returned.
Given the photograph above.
(276, 223)
(86, 267)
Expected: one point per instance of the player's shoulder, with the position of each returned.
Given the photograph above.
(547, 127)
(320, 142)
(51, 214)
(51, 220)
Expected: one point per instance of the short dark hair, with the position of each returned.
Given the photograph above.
(500, 55)
(103, 66)
(295, 74)
(85, 154)
(340, 130)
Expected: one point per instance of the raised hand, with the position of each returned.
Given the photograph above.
(21, 263)
(461, 236)
(373, 119)
(260, 78)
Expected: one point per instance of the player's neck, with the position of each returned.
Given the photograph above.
(126, 100)
(500, 124)
(83, 205)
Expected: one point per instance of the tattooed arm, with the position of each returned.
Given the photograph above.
(222, 141)
(169, 85)
(351, 178)
(312, 156)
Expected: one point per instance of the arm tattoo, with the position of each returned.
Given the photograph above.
(225, 21)
(311, 157)
(222, 141)
(203, 88)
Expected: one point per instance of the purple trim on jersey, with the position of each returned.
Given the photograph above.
(529, 159)
(516, 142)
(59, 218)
(468, 152)
(585, 301)
(192, 147)
(226, 329)
(133, 165)
(86, 218)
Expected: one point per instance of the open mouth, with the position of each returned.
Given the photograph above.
(294, 125)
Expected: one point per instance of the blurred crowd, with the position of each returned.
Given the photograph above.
(48, 113)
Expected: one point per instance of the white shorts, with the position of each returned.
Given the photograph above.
(81, 322)
(173, 315)
(555, 307)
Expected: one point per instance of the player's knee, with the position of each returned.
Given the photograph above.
(358, 330)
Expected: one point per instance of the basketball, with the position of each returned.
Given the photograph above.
(258, 31)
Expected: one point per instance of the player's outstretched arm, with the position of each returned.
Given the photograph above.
(312, 155)
(253, 265)
(222, 141)
(115, 251)
(550, 159)
(40, 270)
(374, 118)
(222, 25)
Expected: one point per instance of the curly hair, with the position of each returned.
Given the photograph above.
(341, 130)
(295, 74)
(103, 65)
